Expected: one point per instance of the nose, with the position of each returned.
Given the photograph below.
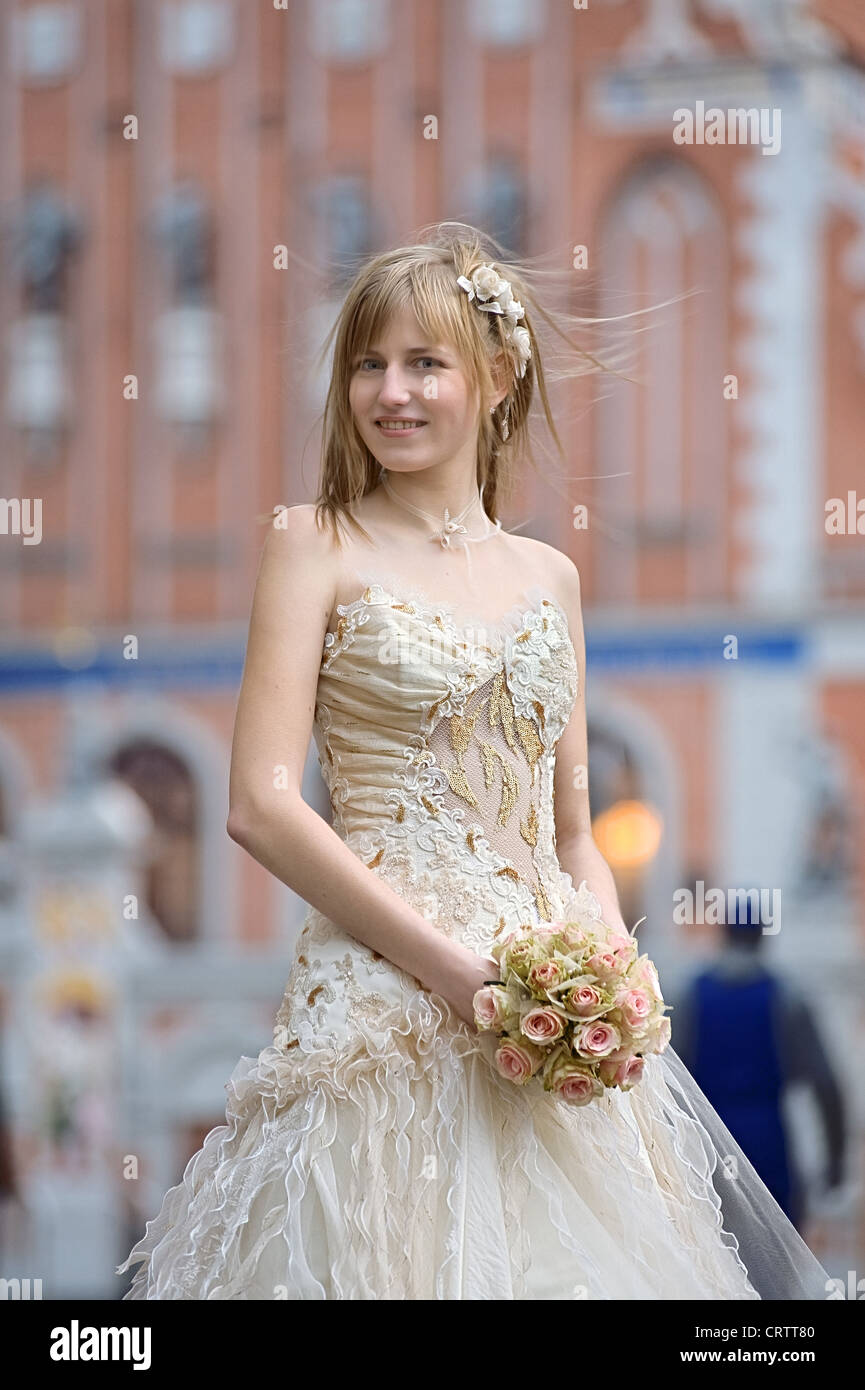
(394, 388)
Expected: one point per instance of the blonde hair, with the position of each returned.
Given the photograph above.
(423, 277)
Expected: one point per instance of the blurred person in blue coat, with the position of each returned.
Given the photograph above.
(744, 1070)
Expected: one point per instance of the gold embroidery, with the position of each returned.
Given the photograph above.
(529, 827)
(462, 728)
(460, 784)
(524, 637)
(403, 607)
(543, 902)
(470, 840)
(508, 872)
(532, 746)
(376, 859)
(488, 758)
(539, 711)
(428, 804)
(500, 705)
(313, 994)
(510, 792)
(400, 814)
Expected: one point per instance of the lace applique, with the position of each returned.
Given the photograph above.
(362, 1005)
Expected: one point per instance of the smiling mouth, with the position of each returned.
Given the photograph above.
(400, 426)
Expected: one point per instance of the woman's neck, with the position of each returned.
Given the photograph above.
(431, 497)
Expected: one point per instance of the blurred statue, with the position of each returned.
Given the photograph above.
(184, 228)
(44, 237)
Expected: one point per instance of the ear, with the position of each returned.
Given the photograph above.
(501, 370)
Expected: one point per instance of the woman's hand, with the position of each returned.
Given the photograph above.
(466, 973)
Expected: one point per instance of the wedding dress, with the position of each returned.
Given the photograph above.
(373, 1151)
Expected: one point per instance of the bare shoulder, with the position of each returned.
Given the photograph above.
(296, 536)
(544, 564)
(300, 560)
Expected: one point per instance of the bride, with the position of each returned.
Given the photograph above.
(374, 1151)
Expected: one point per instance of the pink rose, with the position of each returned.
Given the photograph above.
(517, 1061)
(596, 1039)
(579, 1089)
(545, 974)
(624, 1073)
(543, 1025)
(636, 1007)
(584, 999)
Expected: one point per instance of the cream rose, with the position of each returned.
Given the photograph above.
(574, 1083)
(545, 974)
(491, 1006)
(519, 953)
(605, 963)
(487, 282)
(584, 999)
(660, 1036)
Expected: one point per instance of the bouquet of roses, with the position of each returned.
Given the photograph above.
(575, 1003)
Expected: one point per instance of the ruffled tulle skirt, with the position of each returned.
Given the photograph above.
(409, 1169)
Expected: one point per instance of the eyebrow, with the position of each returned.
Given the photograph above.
(425, 347)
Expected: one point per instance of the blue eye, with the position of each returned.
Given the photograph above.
(363, 361)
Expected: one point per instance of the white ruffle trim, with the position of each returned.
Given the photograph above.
(403, 1167)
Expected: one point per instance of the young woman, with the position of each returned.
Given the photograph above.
(374, 1151)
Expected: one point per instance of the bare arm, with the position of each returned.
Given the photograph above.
(577, 852)
(268, 816)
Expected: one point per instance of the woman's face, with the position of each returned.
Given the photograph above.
(405, 378)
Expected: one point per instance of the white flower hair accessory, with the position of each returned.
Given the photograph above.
(493, 295)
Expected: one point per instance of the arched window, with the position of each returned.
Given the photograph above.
(663, 515)
(163, 781)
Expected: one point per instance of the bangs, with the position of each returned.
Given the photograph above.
(425, 290)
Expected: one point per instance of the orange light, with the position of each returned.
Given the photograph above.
(628, 834)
